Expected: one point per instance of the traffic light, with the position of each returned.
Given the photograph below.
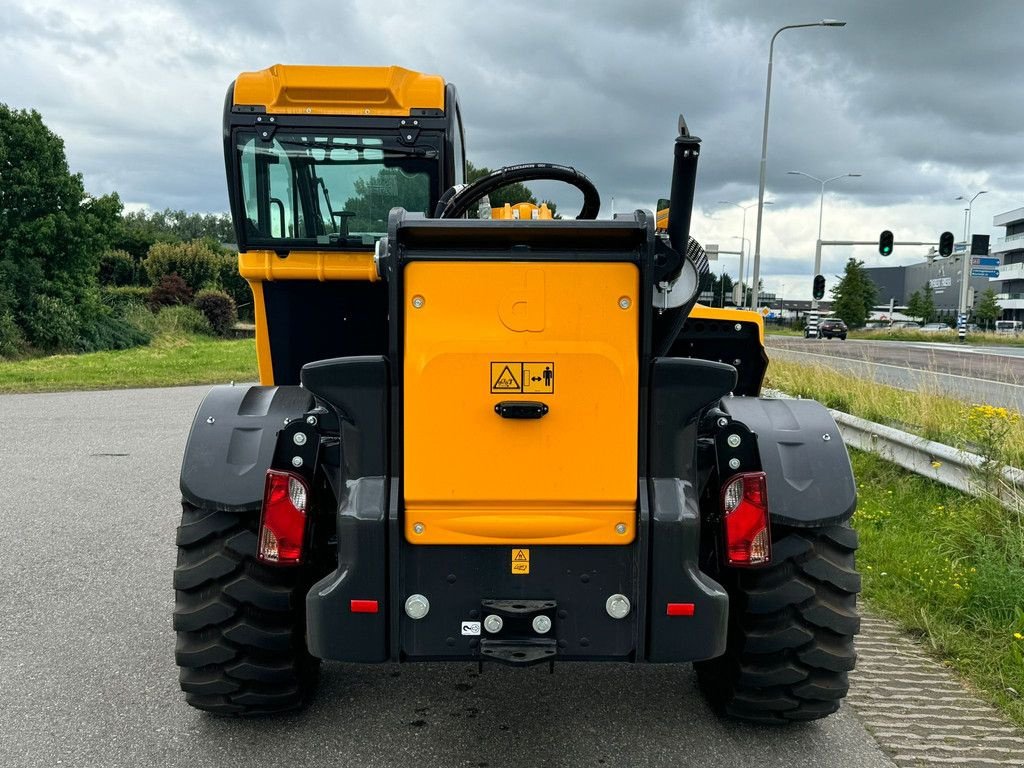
(946, 244)
(885, 243)
(819, 287)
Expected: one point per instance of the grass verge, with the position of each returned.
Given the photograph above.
(167, 361)
(950, 567)
(995, 433)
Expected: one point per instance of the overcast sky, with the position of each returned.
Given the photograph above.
(922, 98)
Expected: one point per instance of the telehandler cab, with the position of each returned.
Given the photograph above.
(516, 440)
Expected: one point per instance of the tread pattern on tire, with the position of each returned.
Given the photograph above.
(791, 629)
(240, 625)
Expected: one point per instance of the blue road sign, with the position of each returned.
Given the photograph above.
(984, 261)
(984, 273)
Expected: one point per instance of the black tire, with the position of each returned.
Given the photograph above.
(843, 337)
(241, 624)
(791, 628)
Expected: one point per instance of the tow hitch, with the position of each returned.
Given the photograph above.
(520, 632)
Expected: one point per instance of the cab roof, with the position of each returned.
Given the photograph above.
(298, 89)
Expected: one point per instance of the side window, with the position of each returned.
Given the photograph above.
(282, 223)
(460, 150)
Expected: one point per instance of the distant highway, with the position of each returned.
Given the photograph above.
(976, 374)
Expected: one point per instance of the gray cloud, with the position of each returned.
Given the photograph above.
(919, 97)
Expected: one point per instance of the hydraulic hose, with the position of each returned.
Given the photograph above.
(455, 203)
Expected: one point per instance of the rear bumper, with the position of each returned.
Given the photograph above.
(658, 568)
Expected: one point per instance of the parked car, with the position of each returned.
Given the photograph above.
(935, 328)
(908, 324)
(829, 328)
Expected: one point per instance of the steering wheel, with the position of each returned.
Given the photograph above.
(455, 202)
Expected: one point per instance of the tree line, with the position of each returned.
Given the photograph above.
(75, 268)
(73, 264)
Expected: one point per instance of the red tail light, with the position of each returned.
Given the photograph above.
(283, 519)
(745, 519)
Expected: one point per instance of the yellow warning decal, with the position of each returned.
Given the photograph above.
(520, 561)
(505, 377)
(523, 377)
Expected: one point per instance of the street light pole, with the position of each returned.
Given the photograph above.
(738, 293)
(739, 290)
(764, 146)
(966, 270)
(821, 210)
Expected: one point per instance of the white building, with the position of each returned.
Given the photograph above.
(1011, 274)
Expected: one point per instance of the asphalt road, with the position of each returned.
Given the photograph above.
(88, 508)
(975, 374)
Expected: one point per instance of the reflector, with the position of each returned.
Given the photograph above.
(679, 609)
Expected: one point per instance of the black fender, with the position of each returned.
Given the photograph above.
(810, 480)
(231, 444)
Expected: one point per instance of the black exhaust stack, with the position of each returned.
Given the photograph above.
(684, 179)
(671, 261)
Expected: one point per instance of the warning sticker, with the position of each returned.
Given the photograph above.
(506, 377)
(529, 378)
(471, 628)
(520, 561)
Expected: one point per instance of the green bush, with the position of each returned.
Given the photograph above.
(12, 340)
(119, 298)
(168, 321)
(117, 267)
(219, 309)
(52, 324)
(110, 332)
(170, 291)
(235, 286)
(196, 262)
(182, 321)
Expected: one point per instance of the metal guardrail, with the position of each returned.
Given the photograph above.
(950, 466)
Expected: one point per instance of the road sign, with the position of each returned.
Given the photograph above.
(984, 272)
(711, 251)
(984, 261)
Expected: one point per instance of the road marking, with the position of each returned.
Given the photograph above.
(994, 351)
(975, 379)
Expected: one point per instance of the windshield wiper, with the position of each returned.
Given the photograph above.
(429, 153)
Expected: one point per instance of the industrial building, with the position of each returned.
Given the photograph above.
(897, 284)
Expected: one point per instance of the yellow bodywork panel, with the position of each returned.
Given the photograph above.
(291, 89)
(562, 334)
(259, 266)
(307, 265)
(263, 360)
(701, 312)
(524, 211)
